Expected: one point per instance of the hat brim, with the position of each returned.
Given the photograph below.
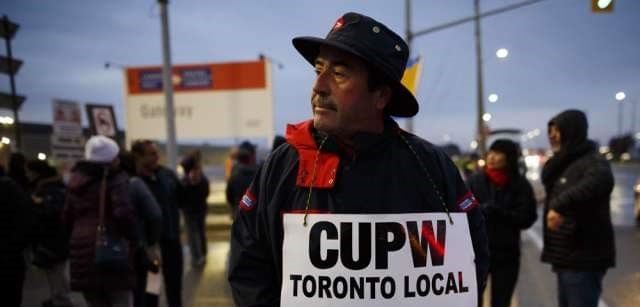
(403, 103)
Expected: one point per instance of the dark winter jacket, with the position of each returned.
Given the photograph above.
(15, 222)
(578, 182)
(239, 181)
(48, 199)
(380, 174)
(169, 193)
(148, 213)
(507, 211)
(194, 198)
(81, 212)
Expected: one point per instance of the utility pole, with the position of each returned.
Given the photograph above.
(633, 116)
(167, 85)
(409, 38)
(481, 137)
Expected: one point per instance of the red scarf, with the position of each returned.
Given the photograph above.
(498, 177)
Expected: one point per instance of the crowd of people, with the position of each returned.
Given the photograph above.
(115, 222)
(350, 163)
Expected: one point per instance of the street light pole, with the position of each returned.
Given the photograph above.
(482, 146)
(620, 118)
(167, 85)
(476, 18)
(620, 96)
(409, 38)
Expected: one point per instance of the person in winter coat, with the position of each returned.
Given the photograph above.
(51, 247)
(15, 231)
(194, 207)
(578, 234)
(99, 286)
(169, 193)
(241, 176)
(148, 227)
(349, 167)
(507, 201)
(17, 170)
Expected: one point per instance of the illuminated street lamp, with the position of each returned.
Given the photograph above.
(620, 96)
(6, 120)
(502, 53)
(42, 156)
(473, 144)
(493, 98)
(5, 140)
(486, 117)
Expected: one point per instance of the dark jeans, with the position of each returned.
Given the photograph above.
(579, 288)
(196, 235)
(504, 275)
(172, 273)
(139, 292)
(12, 277)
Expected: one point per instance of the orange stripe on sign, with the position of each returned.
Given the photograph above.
(199, 77)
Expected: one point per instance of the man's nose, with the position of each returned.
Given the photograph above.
(321, 85)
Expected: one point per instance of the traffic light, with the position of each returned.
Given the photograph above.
(602, 6)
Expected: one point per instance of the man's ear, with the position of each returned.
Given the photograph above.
(383, 97)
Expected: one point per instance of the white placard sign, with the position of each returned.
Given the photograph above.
(414, 259)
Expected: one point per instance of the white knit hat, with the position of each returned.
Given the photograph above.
(100, 148)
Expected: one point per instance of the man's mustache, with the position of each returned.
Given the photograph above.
(325, 103)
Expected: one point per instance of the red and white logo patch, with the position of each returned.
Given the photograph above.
(339, 23)
(467, 202)
(248, 202)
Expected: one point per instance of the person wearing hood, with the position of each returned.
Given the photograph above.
(51, 246)
(507, 201)
(578, 233)
(99, 286)
(352, 167)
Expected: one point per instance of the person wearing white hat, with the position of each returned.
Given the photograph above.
(101, 149)
(100, 287)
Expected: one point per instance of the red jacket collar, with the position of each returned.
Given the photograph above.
(301, 138)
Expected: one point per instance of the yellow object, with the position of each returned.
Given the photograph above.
(411, 77)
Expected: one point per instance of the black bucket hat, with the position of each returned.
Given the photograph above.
(378, 46)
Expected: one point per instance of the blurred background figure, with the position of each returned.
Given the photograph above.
(507, 201)
(15, 225)
(99, 286)
(241, 175)
(148, 227)
(16, 170)
(578, 233)
(194, 206)
(169, 193)
(51, 237)
(230, 162)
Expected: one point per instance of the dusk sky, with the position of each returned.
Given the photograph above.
(561, 55)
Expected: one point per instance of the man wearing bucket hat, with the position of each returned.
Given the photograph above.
(351, 162)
